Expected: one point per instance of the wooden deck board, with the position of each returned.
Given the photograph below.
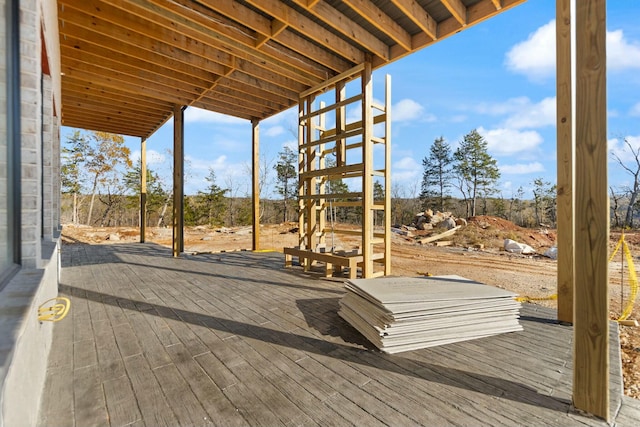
(219, 409)
(121, 401)
(151, 400)
(89, 406)
(234, 339)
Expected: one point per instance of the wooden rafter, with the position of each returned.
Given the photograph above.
(383, 22)
(419, 16)
(457, 9)
(125, 63)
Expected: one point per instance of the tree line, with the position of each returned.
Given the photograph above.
(101, 186)
(474, 173)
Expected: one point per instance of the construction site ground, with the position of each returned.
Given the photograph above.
(475, 252)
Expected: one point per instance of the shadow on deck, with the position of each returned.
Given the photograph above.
(234, 339)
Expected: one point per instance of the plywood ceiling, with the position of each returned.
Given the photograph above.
(126, 63)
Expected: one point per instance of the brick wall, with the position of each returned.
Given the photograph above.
(31, 122)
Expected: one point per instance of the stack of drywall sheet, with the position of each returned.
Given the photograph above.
(407, 313)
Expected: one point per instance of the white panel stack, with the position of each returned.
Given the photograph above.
(407, 313)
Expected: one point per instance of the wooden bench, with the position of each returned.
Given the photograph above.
(330, 259)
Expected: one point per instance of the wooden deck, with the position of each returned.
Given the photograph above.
(234, 339)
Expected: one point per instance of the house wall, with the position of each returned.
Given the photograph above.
(25, 341)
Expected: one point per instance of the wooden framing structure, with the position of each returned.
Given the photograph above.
(143, 189)
(128, 66)
(352, 145)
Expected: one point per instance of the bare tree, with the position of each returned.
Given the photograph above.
(287, 177)
(265, 179)
(634, 170)
(615, 206)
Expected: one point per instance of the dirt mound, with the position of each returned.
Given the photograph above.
(491, 232)
(486, 221)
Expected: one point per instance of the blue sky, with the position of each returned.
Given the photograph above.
(497, 77)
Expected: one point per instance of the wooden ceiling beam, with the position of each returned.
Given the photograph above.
(255, 93)
(383, 22)
(125, 63)
(105, 66)
(114, 28)
(93, 126)
(105, 119)
(222, 110)
(259, 77)
(311, 29)
(337, 53)
(251, 81)
(476, 13)
(209, 30)
(132, 87)
(224, 107)
(457, 9)
(419, 16)
(81, 88)
(263, 73)
(124, 109)
(347, 27)
(242, 99)
(128, 56)
(113, 36)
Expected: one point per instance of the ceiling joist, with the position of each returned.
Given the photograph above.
(126, 63)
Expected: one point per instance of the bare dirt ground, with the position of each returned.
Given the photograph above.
(475, 253)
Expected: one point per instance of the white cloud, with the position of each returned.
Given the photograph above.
(292, 144)
(621, 53)
(153, 157)
(510, 141)
(227, 173)
(288, 117)
(618, 148)
(406, 110)
(406, 170)
(354, 114)
(522, 169)
(521, 112)
(532, 115)
(193, 115)
(458, 119)
(509, 106)
(635, 110)
(274, 131)
(536, 57)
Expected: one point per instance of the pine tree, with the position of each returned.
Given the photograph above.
(476, 170)
(287, 182)
(436, 178)
(213, 200)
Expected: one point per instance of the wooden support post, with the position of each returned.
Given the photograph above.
(565, 162)
(591, 296)
(255, 182)
(321, 210)
(302, 109)
(341, 123)
(178, 180)
(143, 189)
(367, 176)
(310, 182)
(387, 177)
